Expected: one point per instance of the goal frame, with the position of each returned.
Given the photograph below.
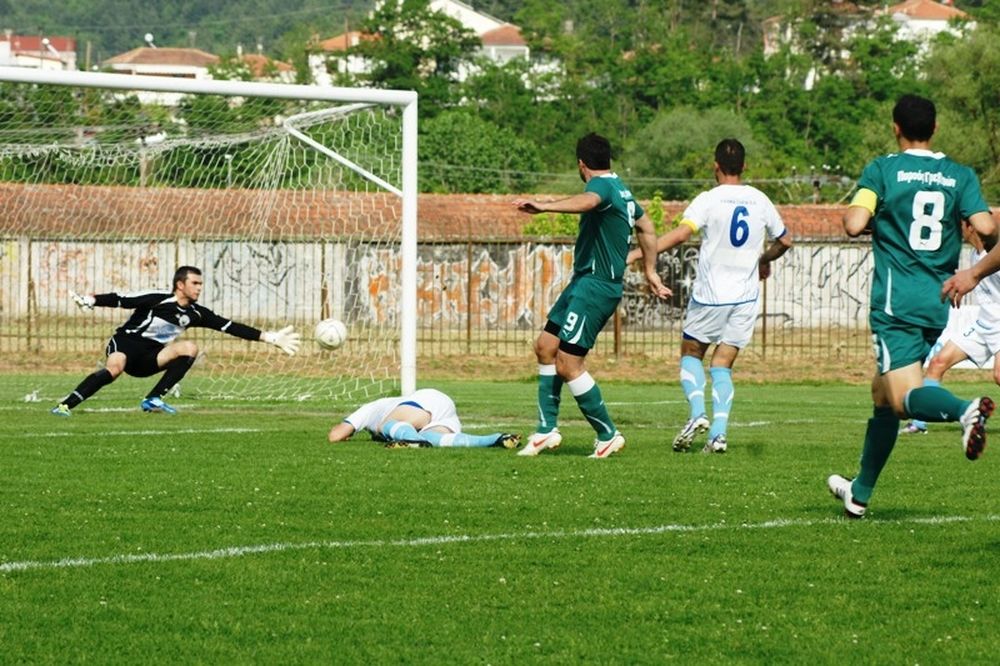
(406, 99)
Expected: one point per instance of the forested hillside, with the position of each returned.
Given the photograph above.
(665, 79)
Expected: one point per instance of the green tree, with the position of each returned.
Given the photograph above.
(460, 152)
(416, 48)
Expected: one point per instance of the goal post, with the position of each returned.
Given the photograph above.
(315, 183)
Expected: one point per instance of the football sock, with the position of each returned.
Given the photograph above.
(549, 394)
(722, 400)
(880, 437)
(934, 404)
(693, 383)
(460, 439)
(396, 431)
(917, 422)
(588, 398)
(175, 371)
(88, 387)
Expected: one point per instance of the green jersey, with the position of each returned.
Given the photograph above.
(605, 230)
(922, 198)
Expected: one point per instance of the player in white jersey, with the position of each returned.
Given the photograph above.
(978, 340)
(734, 221)
(426, 417)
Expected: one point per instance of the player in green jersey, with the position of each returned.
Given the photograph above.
(608, 214)
(913, 203)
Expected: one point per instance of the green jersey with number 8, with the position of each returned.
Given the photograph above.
(605, 230)
(921, 197)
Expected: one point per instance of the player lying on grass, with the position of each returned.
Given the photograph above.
(426, 417)
(146, 344)
(979, 341)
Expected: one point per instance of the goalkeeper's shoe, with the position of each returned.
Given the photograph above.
(156, 405)
(694, 427)
(62, 410)
(609, 447)
(507, 440)
(840, 488)
(974, 426)
(540, 441)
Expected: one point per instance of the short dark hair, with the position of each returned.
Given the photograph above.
(916, 117)
(181, 274)
(730, 155)
(594, 151)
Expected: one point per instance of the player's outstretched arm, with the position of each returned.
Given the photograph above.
(778, 247)
(286, 339)
(578, 203)
(83, 301)
(341, 432)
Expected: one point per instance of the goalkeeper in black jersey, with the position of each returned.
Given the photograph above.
(146, 344)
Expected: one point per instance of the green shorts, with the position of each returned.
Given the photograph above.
(899, 343)
(581, 311)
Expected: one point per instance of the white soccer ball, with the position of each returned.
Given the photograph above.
(330, 333)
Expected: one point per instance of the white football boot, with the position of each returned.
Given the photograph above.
(540, 441)
(974, 426)
(840, 488)
(605, 449)
(694, 427)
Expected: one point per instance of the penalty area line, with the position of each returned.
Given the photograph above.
(440, 540)
(141, 433)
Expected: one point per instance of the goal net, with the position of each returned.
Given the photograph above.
(297, 203)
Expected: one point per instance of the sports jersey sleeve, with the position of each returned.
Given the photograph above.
(695, 215)
(971, 199)
(774, 224)
(871, 179)
(129, 301)
(208, 319)
(602, 188)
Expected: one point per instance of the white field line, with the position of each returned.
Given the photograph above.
(243, 551)
(130, 433)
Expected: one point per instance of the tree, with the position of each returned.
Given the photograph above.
(460, 152)
(416, 48)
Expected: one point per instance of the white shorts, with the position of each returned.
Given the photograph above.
(440, 406)
(981, 340)
(728, 324)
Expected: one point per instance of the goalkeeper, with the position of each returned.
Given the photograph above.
(146, 344)
(425, 418)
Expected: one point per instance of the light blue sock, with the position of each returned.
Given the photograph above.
(917, 422)
(722, 400)
(693, 383)
(403, 431)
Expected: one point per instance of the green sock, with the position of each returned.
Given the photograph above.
(935, 404)
(549, 394)
(591, 403)
(880, 438)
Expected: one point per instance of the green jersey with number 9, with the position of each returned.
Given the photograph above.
(921, 199)
(605, 230)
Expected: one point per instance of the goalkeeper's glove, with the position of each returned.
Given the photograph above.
(286, 339)
(84, 302)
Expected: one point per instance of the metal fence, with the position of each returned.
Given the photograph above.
(474, 298)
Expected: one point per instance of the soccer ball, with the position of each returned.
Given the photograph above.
(330, 333)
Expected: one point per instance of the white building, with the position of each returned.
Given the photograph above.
(921, 20)
(501, 43)
(172, 62)
(37, 51)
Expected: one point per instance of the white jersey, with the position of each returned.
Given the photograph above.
(987, 292)
(734, 221)
(370, 416)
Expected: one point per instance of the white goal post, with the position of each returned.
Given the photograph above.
(342, 102)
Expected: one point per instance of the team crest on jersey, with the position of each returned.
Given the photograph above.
(184, 320)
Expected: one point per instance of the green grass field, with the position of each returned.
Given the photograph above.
(233, 532)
